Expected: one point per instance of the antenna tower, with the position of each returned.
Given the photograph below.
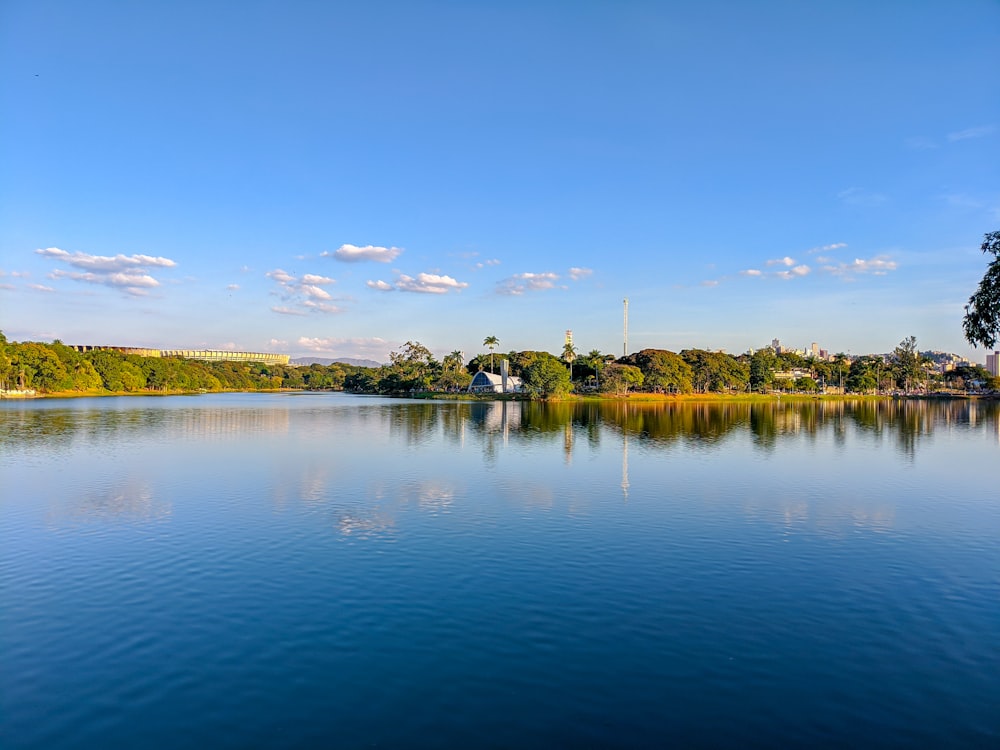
(625, 344)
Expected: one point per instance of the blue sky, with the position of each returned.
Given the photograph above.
(338, 178)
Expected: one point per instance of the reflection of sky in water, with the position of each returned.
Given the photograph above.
(127, 500)
(364, 557)
(821, 466)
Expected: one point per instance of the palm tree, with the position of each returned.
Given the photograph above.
(596, 360)
(569, 354)
(491, 342)
(454, 361)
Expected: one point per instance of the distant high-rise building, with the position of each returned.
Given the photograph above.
(776, 345)
(993, 364)
(814, 349)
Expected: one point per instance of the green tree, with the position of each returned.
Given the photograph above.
(762, 365)
(662, 370)
(716, 371)
(568, 355)
(453, 376)
(863, 376)
(453, 362)
(968, 376)
(982, 315)
(491, 343)
(117, 373)
(621, 378)
(546, 377)
(35, 365)
(412, 369)
(907, 364)
(805, 384)
(596, 362)
(5, 364)
(362, 380)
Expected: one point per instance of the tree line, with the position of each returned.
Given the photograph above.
(56, 368)
(414, 369)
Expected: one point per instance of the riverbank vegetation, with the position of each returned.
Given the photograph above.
(49, 369)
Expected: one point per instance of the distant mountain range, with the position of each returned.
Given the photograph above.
(341, 360)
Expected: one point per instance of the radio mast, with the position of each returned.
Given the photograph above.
(625, 344)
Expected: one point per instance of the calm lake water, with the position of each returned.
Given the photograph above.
(299, 570)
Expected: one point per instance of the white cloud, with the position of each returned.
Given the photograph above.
(8, 286)
(323, 307)
(314, 292)
(382, 286)
(786, 261)
(135, 284)
(579, 273)
(920, 143)
(105, 263)
(751, 272)
(428, 283)
(977, 132)
(364, 348)
(794, 273)
(277, 344)
(40, 288)
(710, 282)
(827, 248)
(233, 287)
(354, 254)
(126, 272)
(304, 294)
(520, 283)
(880, 265)
(282, 277)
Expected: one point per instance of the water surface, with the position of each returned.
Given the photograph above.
(322, 569)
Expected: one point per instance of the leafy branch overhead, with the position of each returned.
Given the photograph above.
(982, 315)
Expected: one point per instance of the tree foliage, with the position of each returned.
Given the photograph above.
(763, 363)
(56, 368)
(864, 374)
(907, 364)
(620, 378)
(491, 343)
(662, 370)
(546, 377)
(716, 371)
(982, 315)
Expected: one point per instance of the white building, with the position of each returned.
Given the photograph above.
(488, 382)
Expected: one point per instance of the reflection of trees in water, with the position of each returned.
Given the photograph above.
(902, 420)
(60, 427)
(493, 424)
(417, 422)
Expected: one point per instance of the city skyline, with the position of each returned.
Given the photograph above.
(335, 181)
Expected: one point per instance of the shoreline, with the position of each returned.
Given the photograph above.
(570, 398)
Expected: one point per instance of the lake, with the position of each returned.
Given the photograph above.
(299, 570)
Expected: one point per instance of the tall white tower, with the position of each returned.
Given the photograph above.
(625, 343)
